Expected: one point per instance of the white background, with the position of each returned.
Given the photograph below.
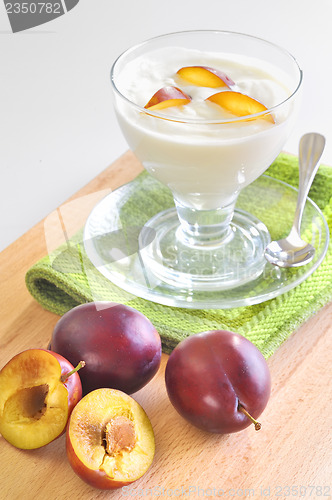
(57, 125)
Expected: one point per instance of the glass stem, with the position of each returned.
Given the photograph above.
(204, 227)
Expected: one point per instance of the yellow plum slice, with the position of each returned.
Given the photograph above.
(204, 76)
(240, 104)
(167, 97)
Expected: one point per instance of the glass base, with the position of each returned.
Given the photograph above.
(232, 261)
(116, 224)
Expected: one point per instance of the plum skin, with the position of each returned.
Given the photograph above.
(120, 346)
(95, 478)
(72, 383)
(208, 374)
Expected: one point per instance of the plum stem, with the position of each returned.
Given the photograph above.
(65, 376)
(258, 425)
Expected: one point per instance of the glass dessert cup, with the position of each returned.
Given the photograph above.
(205, 243)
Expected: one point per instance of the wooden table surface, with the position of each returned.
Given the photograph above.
(291, 456)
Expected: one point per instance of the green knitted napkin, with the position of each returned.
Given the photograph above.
(66, 278)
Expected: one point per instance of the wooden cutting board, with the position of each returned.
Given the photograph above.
(291, 456)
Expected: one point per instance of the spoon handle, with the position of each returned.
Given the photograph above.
(310, 151)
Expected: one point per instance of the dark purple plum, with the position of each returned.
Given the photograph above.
(120, 346)
(218, 380)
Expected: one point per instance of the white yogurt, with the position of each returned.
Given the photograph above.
(201, 152)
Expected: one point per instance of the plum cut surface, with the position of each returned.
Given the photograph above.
(33, 401)
(110, 440)
(167, 97)
(205, 76)
(241, 105)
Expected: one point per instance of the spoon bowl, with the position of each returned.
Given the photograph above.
(292, 251)
(285, 253)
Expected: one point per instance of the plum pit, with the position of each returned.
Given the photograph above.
(119, 435)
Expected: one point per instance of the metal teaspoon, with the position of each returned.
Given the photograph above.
(292, 251)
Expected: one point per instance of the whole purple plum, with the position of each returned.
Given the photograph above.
(120, 346)
(218, 380)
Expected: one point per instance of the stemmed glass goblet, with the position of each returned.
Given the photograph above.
(204, 243)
